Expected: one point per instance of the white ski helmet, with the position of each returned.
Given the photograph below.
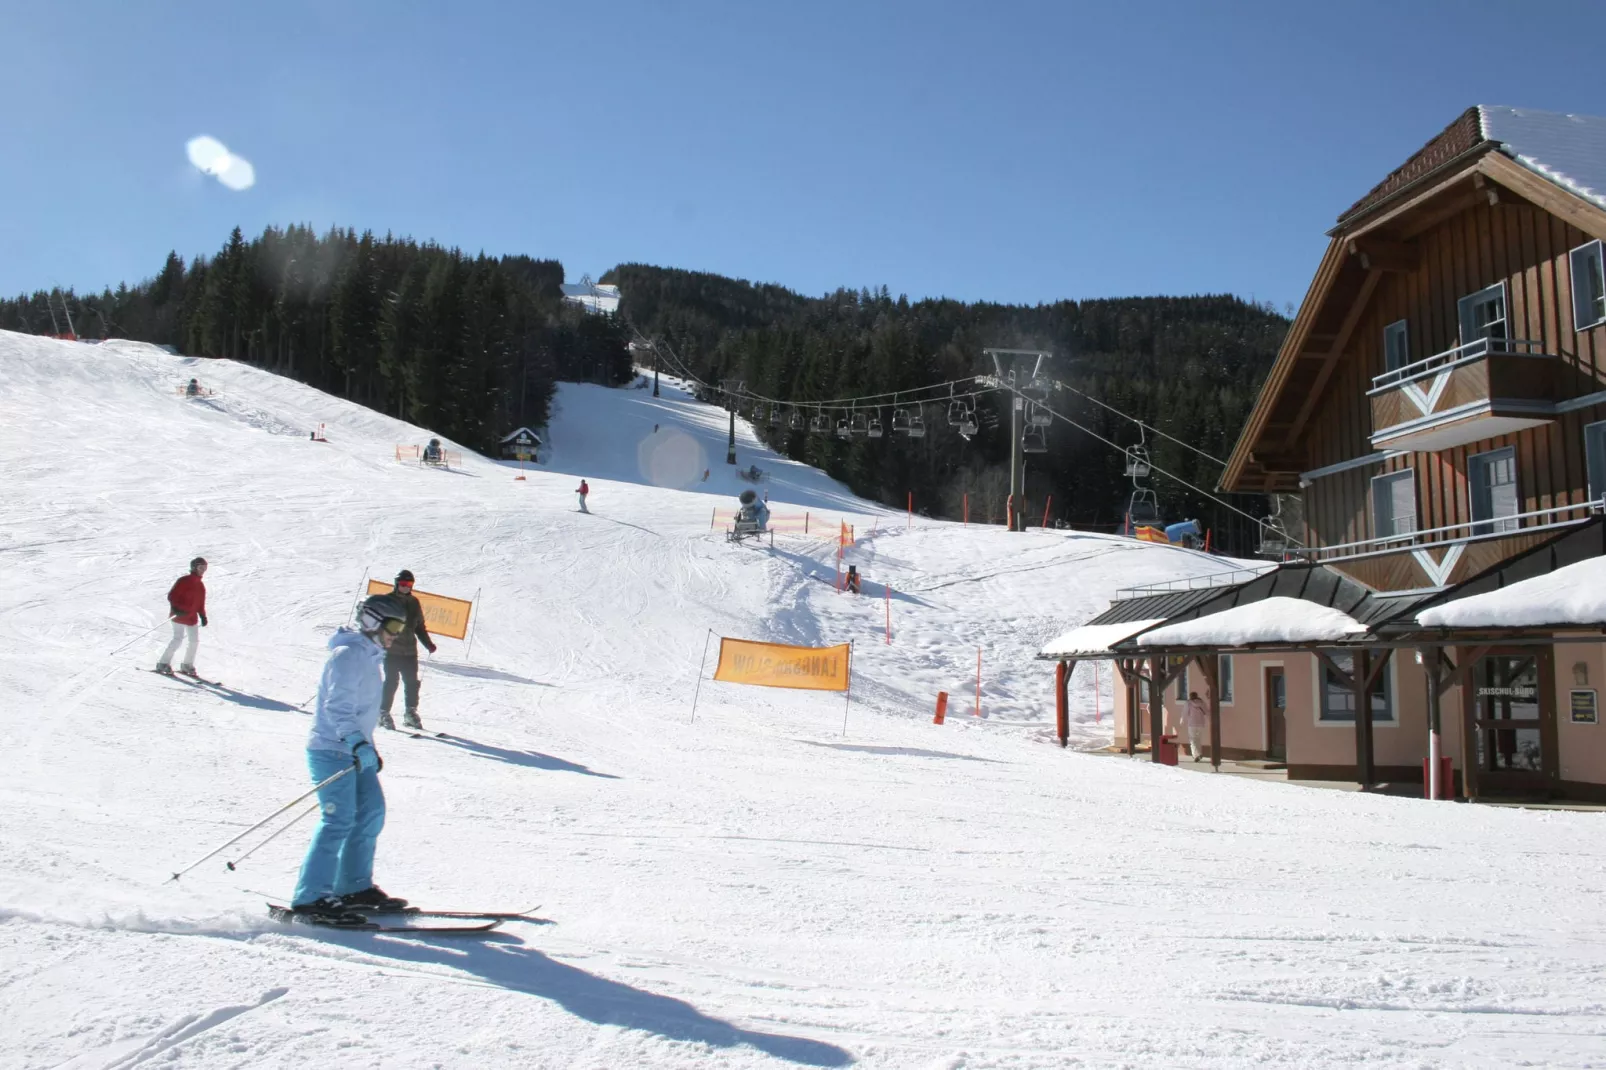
(377, 611)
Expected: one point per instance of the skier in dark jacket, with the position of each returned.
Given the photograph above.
(401, 659)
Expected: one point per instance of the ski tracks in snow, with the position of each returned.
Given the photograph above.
(171, 1036)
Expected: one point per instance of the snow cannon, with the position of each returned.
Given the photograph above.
(747, 497)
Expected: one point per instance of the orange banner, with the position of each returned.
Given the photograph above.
(847, 534)
(808, 668)
(442, 615)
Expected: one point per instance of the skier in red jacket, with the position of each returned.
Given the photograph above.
(580, 492)
(186, 605)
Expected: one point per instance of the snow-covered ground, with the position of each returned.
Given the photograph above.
(752, 888)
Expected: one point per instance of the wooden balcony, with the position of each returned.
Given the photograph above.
(1493, 386)
(1438, 557)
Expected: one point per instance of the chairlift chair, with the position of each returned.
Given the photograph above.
(1137, 462)
(917, 426)
(967, 423)
(859, 423)
(820, 423)
(797, 422)
(1274, 541)
(957, 416)
(775, 416)
(1032, 440)
(874, 430)
(1038, 416)
(900, 420)
(844, 429)
(1142, 510)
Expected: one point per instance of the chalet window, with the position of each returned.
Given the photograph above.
(1595, 459)
(1182, 685)
(1224, 677)
(1394, 503)
(1396, 346)
(1338, 698)
(1483, 314)
(1589, 286)
(1493, 479)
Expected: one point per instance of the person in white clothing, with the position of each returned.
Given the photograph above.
(1196, 719)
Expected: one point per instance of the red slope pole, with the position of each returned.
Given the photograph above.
(1046, 507)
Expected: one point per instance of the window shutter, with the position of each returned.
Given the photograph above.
(1403, 503)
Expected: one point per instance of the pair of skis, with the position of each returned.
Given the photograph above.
(463, 922)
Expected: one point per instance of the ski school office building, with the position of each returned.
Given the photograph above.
(1439, 406)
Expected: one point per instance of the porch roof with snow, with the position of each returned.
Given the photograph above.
(1093, 640)
(1278, 621)
(1557, 584)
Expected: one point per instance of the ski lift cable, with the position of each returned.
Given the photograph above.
(680, 367)
(1259, 521)
(1141, 424)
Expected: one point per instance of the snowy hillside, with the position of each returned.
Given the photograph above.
(752, 888)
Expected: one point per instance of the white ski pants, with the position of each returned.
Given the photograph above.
(189, 635)
(582, 499)
(1198, 739)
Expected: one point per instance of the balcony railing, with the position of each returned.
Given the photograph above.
(1493, 386)
(1491, 528)
(1191, 583)
(1462, 354)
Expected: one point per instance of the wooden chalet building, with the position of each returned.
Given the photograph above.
(1439, 405)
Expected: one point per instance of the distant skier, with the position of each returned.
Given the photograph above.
(401, 657)
(580, 492)
(432, 452)
(337, 878)
(186, 607)
(193, 390)
(1196, 719)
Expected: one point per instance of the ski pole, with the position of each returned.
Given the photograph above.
(138, 637)
(259, 824)
(270, 839)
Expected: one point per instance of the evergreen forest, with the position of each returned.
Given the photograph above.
(472, 347)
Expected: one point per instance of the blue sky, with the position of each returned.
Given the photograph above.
(1017, 152)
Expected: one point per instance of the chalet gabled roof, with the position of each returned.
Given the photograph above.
(1569, 150)
(1553, 160)
(517, 431)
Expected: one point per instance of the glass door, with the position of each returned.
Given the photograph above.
(1276, 716)
(1512, 729)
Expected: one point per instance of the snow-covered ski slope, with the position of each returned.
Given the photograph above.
(752, 888)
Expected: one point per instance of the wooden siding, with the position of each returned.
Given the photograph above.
(1513, 242)
(1402, 572)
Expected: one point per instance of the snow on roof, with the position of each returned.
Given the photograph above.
(1570, 150)
(1091, 640)
(1572, 594)
(511, 435)
(1270, 620)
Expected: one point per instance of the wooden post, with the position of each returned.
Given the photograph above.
(1157, 684)
(1098, 709)
(1210, 669)
(1062, 716)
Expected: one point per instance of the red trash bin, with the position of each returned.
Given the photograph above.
(1168, 750)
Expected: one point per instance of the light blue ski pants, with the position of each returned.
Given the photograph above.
(341, 858)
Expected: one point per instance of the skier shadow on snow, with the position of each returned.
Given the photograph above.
(517, 967)
(910, 752)
(807, 566)
(529, 758)
(479, 672)
(627, 524)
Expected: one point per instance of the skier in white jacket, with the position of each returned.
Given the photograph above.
(1196, 719)
(337, 878)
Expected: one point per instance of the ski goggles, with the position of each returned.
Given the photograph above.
(392, 626)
